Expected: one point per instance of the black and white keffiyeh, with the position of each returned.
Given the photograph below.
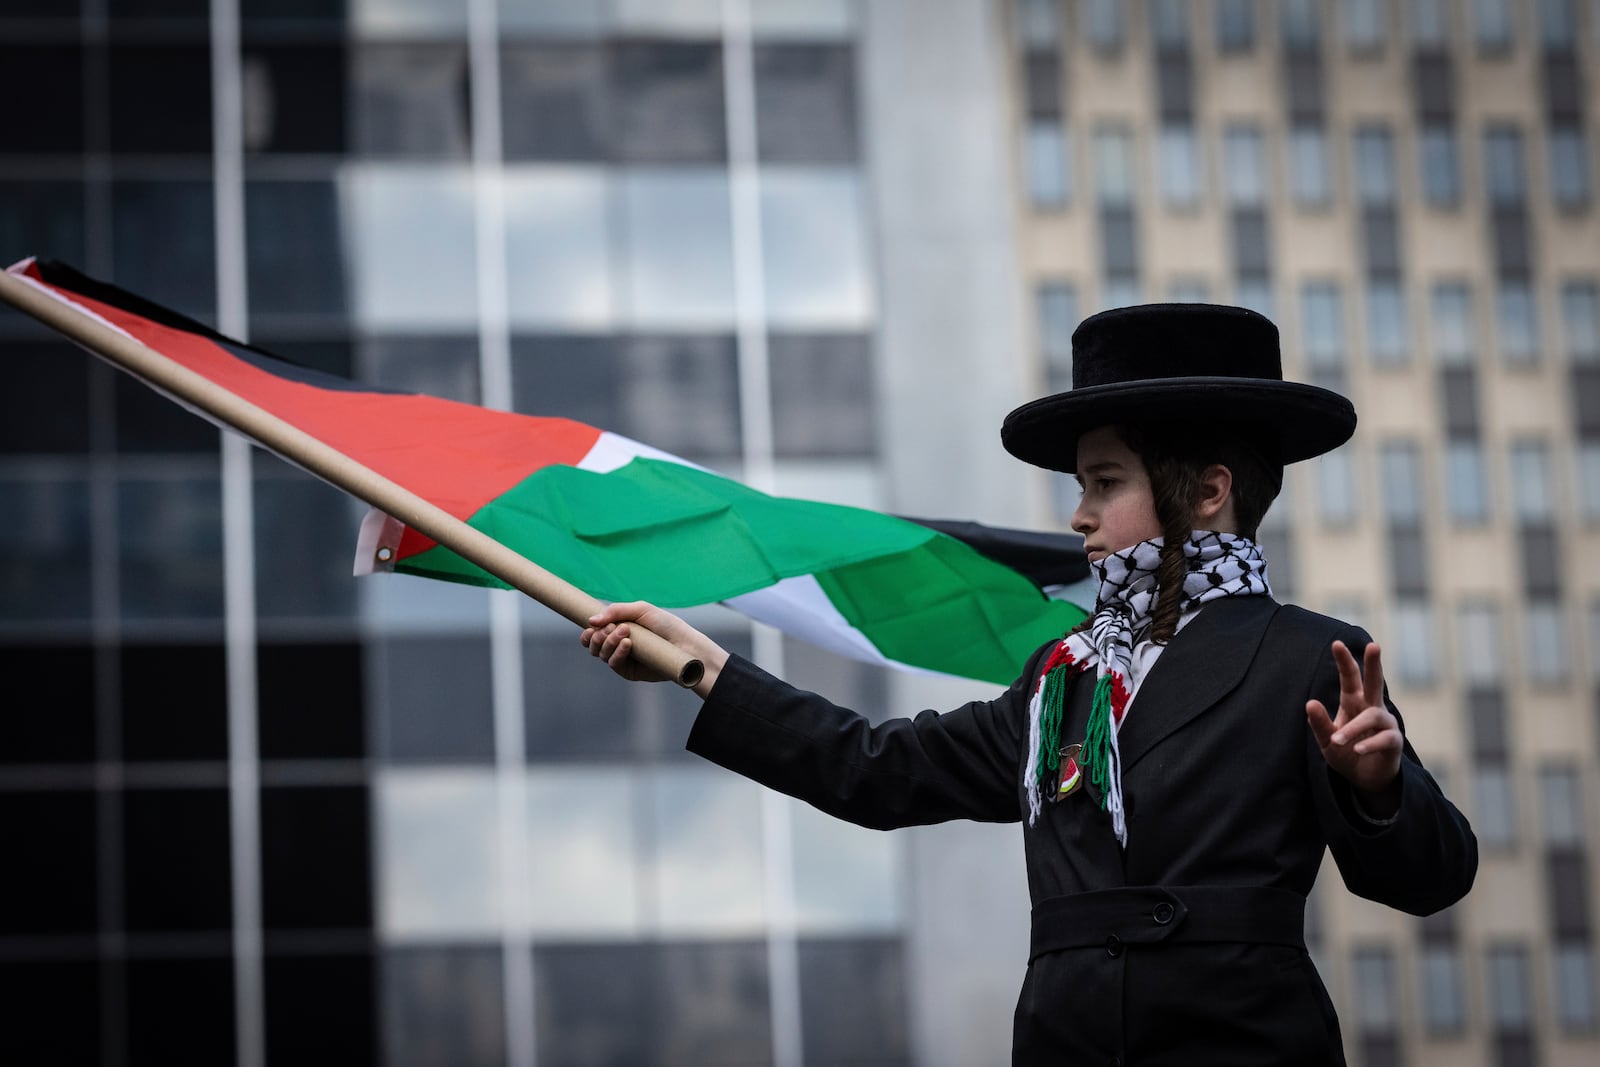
(1220, 565)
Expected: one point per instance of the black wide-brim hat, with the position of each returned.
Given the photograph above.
(1201, 363)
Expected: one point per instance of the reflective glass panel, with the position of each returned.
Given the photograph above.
(408, 18)
(706, 870)
(430, 697)
(169, 548)
(815, 250)
(442, 1006)
(845, 878)
(805, 103)
(439, 862)
(679, 267)
(558, 248)
(410, 246)
(822, 395)
(1453, 329)
(1545, 643)
(410, 100)
(45, 549)
(584, 879)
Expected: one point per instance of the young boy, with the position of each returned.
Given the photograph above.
(1181, 761)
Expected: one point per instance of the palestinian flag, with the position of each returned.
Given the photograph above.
(621, 520)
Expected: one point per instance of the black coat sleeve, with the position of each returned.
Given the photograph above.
(1421, 861)
(962, 764)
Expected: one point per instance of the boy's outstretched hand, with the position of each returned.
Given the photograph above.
(1363, 741)
(609, 638)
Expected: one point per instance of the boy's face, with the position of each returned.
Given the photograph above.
(1118, 508)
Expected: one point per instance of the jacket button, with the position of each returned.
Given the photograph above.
(1163, 913)
(1113, 946)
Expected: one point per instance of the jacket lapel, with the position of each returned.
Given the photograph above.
(1201, 665)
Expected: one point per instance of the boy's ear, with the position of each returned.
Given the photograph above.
(1216, 497)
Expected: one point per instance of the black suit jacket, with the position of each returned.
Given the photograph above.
(1224, 788)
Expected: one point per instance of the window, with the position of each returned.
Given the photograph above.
(1102, 24)
(1113, 166)
(815, 249)
(1039, 23)
(1466, 482)
(1045, 163)
(1441, 167)
(1400, 467)
(822, 395)
(679, 266)
(411, 246)
(1297, 23)
(1244, 166)
(1558, 25)
(409, 99)
(1322, 324)
(1374, 149)
(1569, 167)
(1255, 292)
(1588, 465)
(558, 242)
(806, 103)
(1545, 643)
(1495, 816)
(1415, 659)
(1189, 291)
(1169, 23)
(1179, 152)
(1517, 318)
(1443, 990)
(1560, 802)
(1503, 173)
(1531, 483)
(1491, 25)
(1430, 22)
(1310, 169)
(1453, 328)
(1364, 24)
(1236, 25)
(1580, 321)
(1057, 316)
(1480, 652)
(1387, 342)
(1373, 980)
(1575, 987)
(1336, 490)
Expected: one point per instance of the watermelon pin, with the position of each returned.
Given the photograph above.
(1070, 777)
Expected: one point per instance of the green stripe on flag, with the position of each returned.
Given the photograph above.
(947, 608)
(678, 537)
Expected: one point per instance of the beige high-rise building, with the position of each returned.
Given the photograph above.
(1408, 190)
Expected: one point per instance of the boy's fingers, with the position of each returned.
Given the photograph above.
(1349, 672)
(1322, 727)
(1372, 680)
(1371, 720)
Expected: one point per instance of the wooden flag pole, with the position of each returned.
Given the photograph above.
(327, 463)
